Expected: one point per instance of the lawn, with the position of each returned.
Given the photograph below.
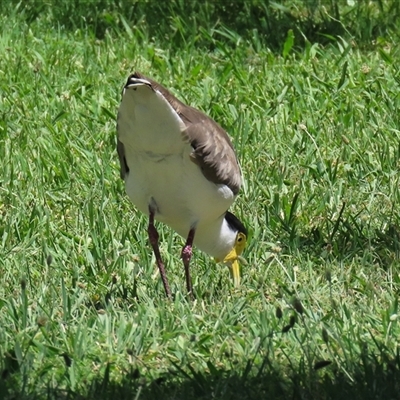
(311, 98)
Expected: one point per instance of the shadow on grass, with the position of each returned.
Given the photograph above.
(175, 22)
(373, 381)
(369, 378)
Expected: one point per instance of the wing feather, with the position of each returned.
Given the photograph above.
(212, 148)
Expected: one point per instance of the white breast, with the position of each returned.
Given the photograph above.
(160, 168)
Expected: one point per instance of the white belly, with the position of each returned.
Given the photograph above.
(183, 196)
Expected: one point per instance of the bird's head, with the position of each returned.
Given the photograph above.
(234, 255)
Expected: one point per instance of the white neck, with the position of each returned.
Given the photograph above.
(215, 238)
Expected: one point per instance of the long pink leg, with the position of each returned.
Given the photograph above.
(153, 237)
(186, 256)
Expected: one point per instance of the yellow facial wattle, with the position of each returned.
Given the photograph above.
(231, 258)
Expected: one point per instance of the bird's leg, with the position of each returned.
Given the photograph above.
(153, 237)
(186, 256)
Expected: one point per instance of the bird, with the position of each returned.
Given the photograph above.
(180, 168)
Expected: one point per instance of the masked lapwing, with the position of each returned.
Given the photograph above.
(180, 168)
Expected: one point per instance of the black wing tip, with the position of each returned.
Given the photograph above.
(235, 223)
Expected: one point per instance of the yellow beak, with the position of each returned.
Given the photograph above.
(232, 261)
(235, 273)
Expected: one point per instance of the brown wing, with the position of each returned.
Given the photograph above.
(212, 148)
(213, 153)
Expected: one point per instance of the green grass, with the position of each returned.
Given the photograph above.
(316, 125)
